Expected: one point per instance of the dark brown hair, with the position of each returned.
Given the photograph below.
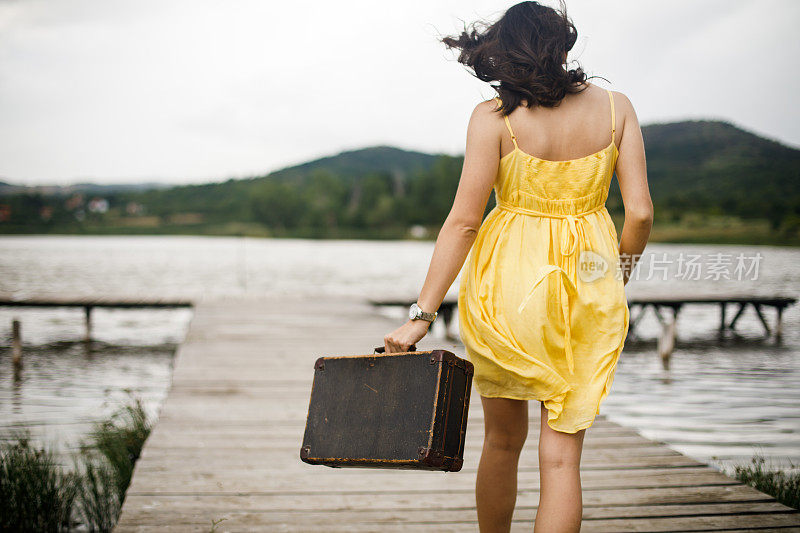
(523, 53)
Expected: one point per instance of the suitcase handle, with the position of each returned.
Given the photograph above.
(382, 349)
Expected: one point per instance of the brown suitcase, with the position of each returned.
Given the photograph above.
(400, 410)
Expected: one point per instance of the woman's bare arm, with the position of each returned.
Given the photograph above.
(632, 176)
(481, 161)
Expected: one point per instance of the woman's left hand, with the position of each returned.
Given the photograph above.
(410, 333)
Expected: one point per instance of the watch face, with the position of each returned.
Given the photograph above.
(412, 313)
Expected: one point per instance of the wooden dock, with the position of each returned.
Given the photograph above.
(226, 447)
(91, 302)
(673, 303)
(87, 303)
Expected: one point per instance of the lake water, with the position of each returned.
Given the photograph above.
(721, 401)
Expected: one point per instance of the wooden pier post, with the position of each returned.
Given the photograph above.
(88, 313)
(16, 344)
(666, 342)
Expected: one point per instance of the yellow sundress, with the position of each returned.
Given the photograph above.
(542, 308)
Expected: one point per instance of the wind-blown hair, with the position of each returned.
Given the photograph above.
(524, 54)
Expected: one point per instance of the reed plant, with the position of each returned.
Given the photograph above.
(98, 501)
(107, 462)
(36, 494)
(120, 440)
(783, 485)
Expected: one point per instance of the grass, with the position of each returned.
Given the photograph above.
(691, 227)
(37, 495)
(108, 460)
(98, 503)
(120, 440)
(215, 524)
(783, 486)
(697, 228)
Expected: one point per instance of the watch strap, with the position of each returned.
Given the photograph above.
(419, 314)
(430, 317)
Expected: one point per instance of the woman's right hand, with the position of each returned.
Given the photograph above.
(406, 336)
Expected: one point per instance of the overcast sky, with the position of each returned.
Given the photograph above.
(197, 90)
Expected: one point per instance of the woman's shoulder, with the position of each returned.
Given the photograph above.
(601, 92)
(487, 106)
(623, 107)
(622, 103)
(486, 112)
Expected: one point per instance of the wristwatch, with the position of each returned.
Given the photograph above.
(415, 313)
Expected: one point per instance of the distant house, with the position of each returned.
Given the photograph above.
(98, 205)
(134, 208)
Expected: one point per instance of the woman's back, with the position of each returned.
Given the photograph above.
(579, 126)
(568, 187)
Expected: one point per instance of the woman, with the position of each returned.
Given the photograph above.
(542, 307)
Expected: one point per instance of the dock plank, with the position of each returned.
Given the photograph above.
(227, 442)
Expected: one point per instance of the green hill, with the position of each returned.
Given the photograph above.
(710, 181)
(716, 167)
(358, 163)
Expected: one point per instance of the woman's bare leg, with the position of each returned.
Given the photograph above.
(506, 426)
(560, 500)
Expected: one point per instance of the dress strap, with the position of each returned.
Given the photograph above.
(508, 124)
(613, 118)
